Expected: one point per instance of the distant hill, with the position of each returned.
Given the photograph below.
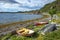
(48, 6)
(13, 12)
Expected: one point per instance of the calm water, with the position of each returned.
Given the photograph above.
(10, 17)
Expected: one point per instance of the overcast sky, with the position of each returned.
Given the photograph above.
(22, 5)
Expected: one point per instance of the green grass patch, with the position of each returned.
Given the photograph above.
(36, 28)
(53, 35)
(5, 37)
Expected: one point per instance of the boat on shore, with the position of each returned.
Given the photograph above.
(25, 32)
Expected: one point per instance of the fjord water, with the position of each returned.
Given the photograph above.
(16, 17)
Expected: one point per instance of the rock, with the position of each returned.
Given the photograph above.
(48, 28)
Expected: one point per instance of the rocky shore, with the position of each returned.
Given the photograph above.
(11, 28)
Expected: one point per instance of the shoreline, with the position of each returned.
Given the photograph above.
(22, 22)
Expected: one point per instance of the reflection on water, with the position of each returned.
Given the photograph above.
(10, 17)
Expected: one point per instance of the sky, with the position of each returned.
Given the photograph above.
(22, 5)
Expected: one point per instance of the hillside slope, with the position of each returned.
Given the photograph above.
(48, 6)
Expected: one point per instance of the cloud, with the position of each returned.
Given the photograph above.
(22, 5)
(9, 1)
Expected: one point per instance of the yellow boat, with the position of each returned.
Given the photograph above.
(25, 32)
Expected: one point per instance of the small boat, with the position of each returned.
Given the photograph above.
(40, 23)
(25, 32)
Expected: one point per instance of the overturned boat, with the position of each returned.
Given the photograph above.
(48, 28)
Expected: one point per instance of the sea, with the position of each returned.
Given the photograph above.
(17, 17)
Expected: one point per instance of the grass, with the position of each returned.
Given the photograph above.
(17, 37)
(35, 28)
(5, 37)
(50, 36)
(53, 35)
